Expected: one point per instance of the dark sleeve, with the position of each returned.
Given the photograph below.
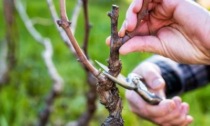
(181, 78)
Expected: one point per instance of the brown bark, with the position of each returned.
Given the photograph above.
(87, 26)
(11, 36)
(45, 114)
(114, 102)
(91, 97)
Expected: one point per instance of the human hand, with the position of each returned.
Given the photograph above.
(169, 112)
(177, 29)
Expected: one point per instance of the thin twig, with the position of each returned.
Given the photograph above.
(75, 15)
(3, 62)
(47, 57)
(74, 21)
(65, 24)
(87, 26)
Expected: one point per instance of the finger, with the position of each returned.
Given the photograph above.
(185, 108)
(164, 107)
(182, 118)
(176, 113)
(145, 110)
(176, 117)
(136, 103)
(152, 75)
(122, 30)
(131, 15)
(108, 40)
(189, 120)
(142, 44)
(131, 18)
(137, 5)
(134, 99)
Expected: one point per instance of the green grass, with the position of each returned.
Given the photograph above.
(23, 97)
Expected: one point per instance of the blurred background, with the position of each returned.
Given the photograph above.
(25, 82)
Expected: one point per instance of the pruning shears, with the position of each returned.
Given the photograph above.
(132, 82)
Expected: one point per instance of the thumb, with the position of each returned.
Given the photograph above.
(142, 44)
(152, 75)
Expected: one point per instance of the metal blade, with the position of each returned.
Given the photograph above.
(120, 79)
(121, 82)
(104, 67)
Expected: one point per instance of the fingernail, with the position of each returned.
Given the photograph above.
(185, 108)
(108, 40)
(121, 32)
(190, 119)
(157, 83)
(123, 29)
(177, 100)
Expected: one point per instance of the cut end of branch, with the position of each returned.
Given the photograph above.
(115, 11)
(115, 7)
(64, 24)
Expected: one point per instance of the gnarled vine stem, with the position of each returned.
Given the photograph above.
(114, 102)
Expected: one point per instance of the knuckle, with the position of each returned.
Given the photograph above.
(158, 121)
(163, 111)
(181, 121)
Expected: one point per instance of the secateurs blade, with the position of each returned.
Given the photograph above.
(132, 82)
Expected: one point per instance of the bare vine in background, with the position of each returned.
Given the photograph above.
(91, 95)
(74, 21)
(57, 85)
(11, 41)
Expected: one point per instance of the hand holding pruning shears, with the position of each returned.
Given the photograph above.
(160, 110)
